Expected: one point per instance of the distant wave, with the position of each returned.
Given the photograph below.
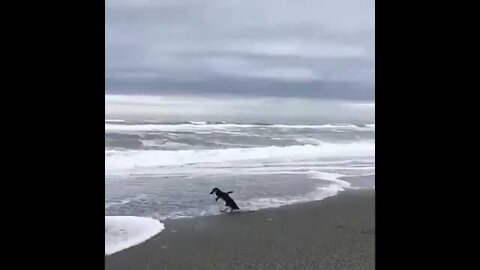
(128, 160)
(114, 121)
(193, 126)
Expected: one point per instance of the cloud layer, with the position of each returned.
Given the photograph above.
(304, 48)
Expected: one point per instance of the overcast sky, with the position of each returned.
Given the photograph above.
(300, 48)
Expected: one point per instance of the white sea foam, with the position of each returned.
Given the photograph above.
(122, 232)
(114, 121)
(332, 177)
(133, 159)
(198, 122)
(319, 194)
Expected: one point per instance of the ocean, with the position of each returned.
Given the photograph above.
(166, 170)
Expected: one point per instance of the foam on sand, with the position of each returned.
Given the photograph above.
(122, 232)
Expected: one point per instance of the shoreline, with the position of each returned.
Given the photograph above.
(335, 233)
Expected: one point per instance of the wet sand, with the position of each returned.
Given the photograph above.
(335, 233)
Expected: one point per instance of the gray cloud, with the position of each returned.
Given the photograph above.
(314, 48)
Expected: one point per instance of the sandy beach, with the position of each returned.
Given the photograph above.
(335, 233)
